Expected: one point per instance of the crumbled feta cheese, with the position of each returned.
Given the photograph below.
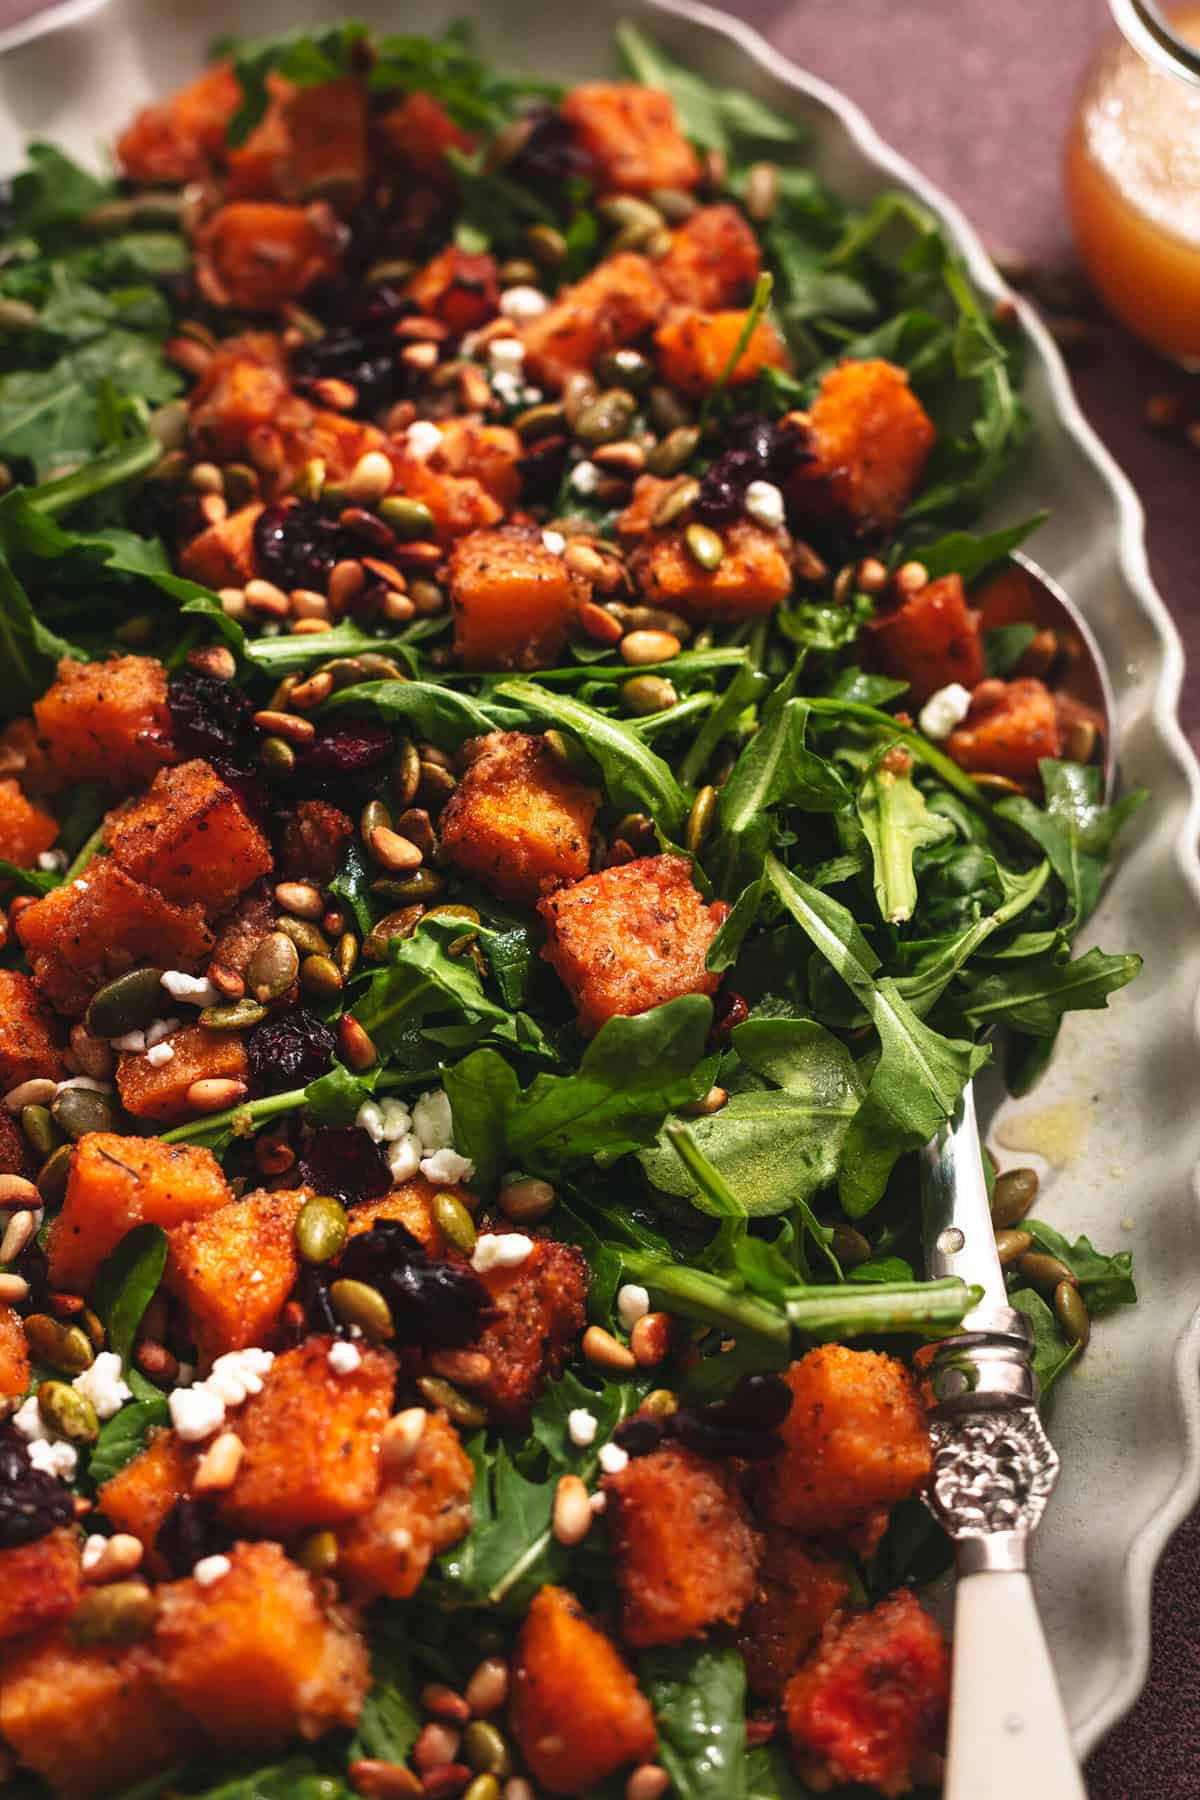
(531, 395)
(160, 1029)
(101, 1383)
(554, 542)
(51, 862)
(500, 1250)
(506, 354)
(598, 1501)
(507, 387)
(944, 710)
(238, 1374)
(633, 1303)
(433, 1121)
(196, 1412)
(93, 1550)
(613, 1459)
(211, 1569)
(134, 1041)
(397, 1121)
(447, 1166)
(422, 438)
(344, 1358)
(197, 989)
(29, 1421)
(581, 1426)
(523, 302)
(369, 1118)
(764, 503)
(404, 1158)
(53, 1459)
(584, 477)
(158, 1054)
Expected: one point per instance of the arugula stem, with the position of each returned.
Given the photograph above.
(913, 740)
(754, 312)
(96, 477)
(931, 1308)
(707, 1297)
(242, 1120)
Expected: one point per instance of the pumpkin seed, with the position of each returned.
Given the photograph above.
(129, 1003)
(673, 505)
(454, 1222)
(624, 368)
(345, 955)
(452, 1401)
(700, 819)
(762, 191)
(394, 924)
(578, 392)
(239, 1016)
(607, 418)
(305, 936)
(357, 1304)
(850, 1247)
(436, 784)
(319, 1553)
(39, 1129)
(52, 1177)
(1012, 1244)
(486, 1750)
(1072, 1314)
(454, 910)
(647, 694)
(547, 246)
(1045, 1272)
(540, 421)
(321, 1230)
(657, 244)
(80, 1110)
(1013, 1195)
(90, 1323)
(418, 884)
(485, 1786)
(675, 451)
(377, 667)
(667, 410)
(409, 519)
(272, 967)
(373, 815)
(63, 1347)
(705, 546)
(120, 1612)
(320, 978)
(276, 756)
(72, 1415)
(675, 204)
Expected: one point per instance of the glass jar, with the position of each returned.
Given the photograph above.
(1133, 174)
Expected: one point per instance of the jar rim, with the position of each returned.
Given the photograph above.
(1142, 23)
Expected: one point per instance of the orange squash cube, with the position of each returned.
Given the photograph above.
(412, 1204)
(512, 599)
(311, 1442)
(870, 438)
(854, 1444)
(223, 554)
(577, 1712)
(686, 1553)
(800, 1590)
(232, 1272)
(540, 1306)
(419, 131)
(488, 453)
(631, 136)
(753, 576)
(517, 821)
(695, 348)
(616, 304)
(176, 140)
(27, 1047)
(138, 1497)
(459, 287)
(423, 1508)
(631, 937)
(328, 156)
(106, 721)
(459, 503)
(241, 390)
(14, 1351)
(82, 935)
(930, 640)
(25, 830)
(198, 1053)
(1011, 726)
(15, 1150)
(259, 1656)
(190, 838)
(713, 261)
(40, 1583)
(118, 1182)
(256, 255)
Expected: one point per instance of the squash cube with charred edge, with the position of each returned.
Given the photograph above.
(541, 1311)
(631, 937)
(459, 287)
(40, 1583)
(854, 1444)
(159, 1091)
(490, 453)
(189, 837)
(695, 349)
(613, 306)
(223, 555)
(16, 1154)
(799, 1591)
(312, 841)
(311, 1442)
(419, 131)
(27, 1047)
(459, 503)
(232, 1272)
(256, 255)
(870, 1703)
(518, 821)
(1008, 732)
(118, 1182)
(422, 1509)
(713, 260)
(176, 140)
(106, 721)
(90, 1721)
(14, 1354)
(242, 389)
(577, 1712)
(138, 1497)
(686, 1553)
(412, 1204)
(312, 144)
(25, 830)
(631, 136)
(930, 640)
(259, 1656)
(869, 438)
(512, 598)
(753, 576)
(83, 934)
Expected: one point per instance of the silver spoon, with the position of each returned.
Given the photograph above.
(994, 1467)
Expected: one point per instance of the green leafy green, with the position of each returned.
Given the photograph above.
(717, 118)
(1052, 1354)
(421, 976)
(1075, 829)
(898, 822)
(698, 1694)
(1104, 1281)
(122, 1436)
(304, 58)
(963, 553)
(438, 713)
(391, 1717)
(52, 195)
(1033, 996)
(127, 1282)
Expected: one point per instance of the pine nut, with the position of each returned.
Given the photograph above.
(436, 1746)
(392, 851)
(711, 1102)
(649, 1781)
(401, 1436)
(39, 1091)
(342, 396)
(16, 1191)
(397, 609)
(289, 726)
(487, 1690)
(20, 1228)
(650, 1339)
(603, 1349)
(214, 660)
(469, 1368)
(910, 578)
(872, 576)
(214, 1093)
(641, 647)
(233, 603)
(346, 579)
(384, 1780)
(518, 1789)
(311, 692)
(599, 625)
(572, 1510)
(300, 899)
(355, 1044)
(265, 598)
(13, 1289)
(121, 1555)
(218, 1467)
(442, 1702)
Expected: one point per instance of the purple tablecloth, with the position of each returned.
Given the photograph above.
(977, 93)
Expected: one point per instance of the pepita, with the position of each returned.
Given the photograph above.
(454, 1222)
(485, 1749)
(1045, 1272)
(355, 1303)
(647, 694)
(607, 417)
(63, 1347)
(704, 545)
(700, 819)
(272, 967)
(673, 505)
(624, 368)
(406, 773)
(454, 1403)
(409, 519)
(675, 451)
(1012, 1244)
(547, 246)
(1013, 1196)
(71, 1414)
(305, 936)
(120, 1612)
(319, 1553)
(321, 978)
(321, 1230)
(39, 1129)
(394, 924)
(1072, 1314)
(666, 409)
(52, 1176)
(239, 1016)
(418, 884)
(540, 421)
(77, 1111)
(129, 1003)
(276, 757)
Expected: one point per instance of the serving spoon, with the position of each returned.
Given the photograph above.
(994, 1468)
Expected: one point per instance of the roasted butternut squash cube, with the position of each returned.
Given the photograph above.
(930, 640)
(799, 1591)
(854, 1443)
(242, 389)
(695, 348)
(577, 1712)
(118, 1182)
(419, 131)
(25, 830)
(106, 721)
(312, 1442)
(686, 1553)
(459, 503)
(631, 137)
(15, 1149)
(191, 838)
(328, 158)
(512, 599)
(631, 937)
(256, 255)
(518, 821)
(870, 1703)
(40, 1583)
(80, 936)
(312, 842)
(423, 1508)
(246, 926)
(869, 438)
(138, 1497)
(488, 453)
(260, 1656)
(616, 304)
(1011, 726)
(14, 1351)
(259, 168)
(27, 1046)
(540, 1312)
(159, 1091)
(233, 1271)
(412, 1204)
(713, 261)
(312, 433)
(177, 140)
(223, 555)
(90, 1721)
(753, 575)
(459, 287)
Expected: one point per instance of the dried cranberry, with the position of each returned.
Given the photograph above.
(346, 750)
(550, 157)
(638, 1437)
(288, 1051)
(723, 488)
(295, 544)
(210, 718)
(190, 1532)
(32, 1503)
(743, 1424)
(542, 469)
(344, 1161)
(439, 1305)
(364, 355)
(729, 1011)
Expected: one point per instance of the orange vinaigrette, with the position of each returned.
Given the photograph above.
(1133, 189)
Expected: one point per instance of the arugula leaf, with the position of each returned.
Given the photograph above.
(935, 970)
(963, 553)
(29, 881)
(1033, 996)
(1052, 1354)
(717, 118)
(352, 883)
(391, 1719)
(1075, 829)
(126, 1283)
(608, 1405)
(122, 1436)
(304, 58)
(421, 977)
(28, 648)
(334, 1098)
(698, 1694)
(299, 1778)
(1004, 647)
(51, 196)
(898, 823)
(1104, 1281)
(438, 713)
(776, 768)
(771, 1776)
(54, 416)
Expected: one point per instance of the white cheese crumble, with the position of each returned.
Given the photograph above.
(211, 1569)
(344, 1358)
(598, 1501)
(507, 387)
(613, 1459)
(198, 990)
(423, 437)
(404, 1158)
(433, 1121)
(160, 1029)
(764, 503)
(554, 541)
(369, 1118)
(53, 1459)
(196, 1412)
(584, 477)
(133, 1041)
(101, 1383)
(500, 1250)
(29, 1422)
(944, 710)
(51, 862)
(633, 1303)
(582, 1426)
(523, 303)
(158, 1054)
(448, 1166)
(506, 354)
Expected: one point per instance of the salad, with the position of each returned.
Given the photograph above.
(523, 800)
